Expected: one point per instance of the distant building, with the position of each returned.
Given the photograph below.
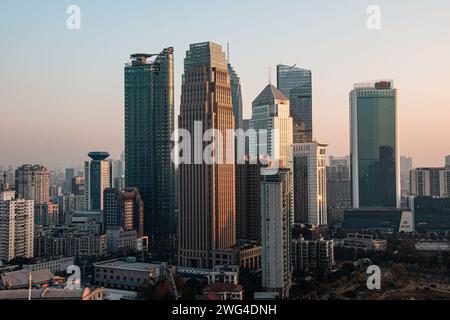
(313, 255)
(310, 183)
(374, 145)
(33, 183)
(406, 165)
(339, 194)
(68, 242)
(364, 241)
(276, 220)
(16, 227)
(430, 182)
(97, 177)
(296, 84)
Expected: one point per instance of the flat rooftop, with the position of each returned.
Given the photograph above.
(123, 265)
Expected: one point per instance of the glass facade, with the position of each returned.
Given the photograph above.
(374, 146)
(149, 123)
(296, 83)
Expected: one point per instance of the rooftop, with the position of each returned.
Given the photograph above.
(124, 265)
(270, 93)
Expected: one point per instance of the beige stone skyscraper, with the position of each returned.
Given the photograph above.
(207, 199)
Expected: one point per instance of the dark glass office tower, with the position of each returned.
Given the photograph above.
(296, 83)
(374, 145)
(149, 123)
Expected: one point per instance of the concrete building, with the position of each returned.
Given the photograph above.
(276, 223)
(374, 139)
(310, 183)
(364, 241)
(16, 227)
(33, 183)
(97, 177)
(313, 255)
(207, 205)
(339, 189)
(127, 275)
(272, 123)
(120, 241)
(430, 182)
(68, 242)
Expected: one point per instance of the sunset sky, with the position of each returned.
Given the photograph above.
(61, 91)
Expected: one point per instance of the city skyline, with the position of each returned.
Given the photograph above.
(63, 93)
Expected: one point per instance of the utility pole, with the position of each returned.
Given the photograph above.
(30, 284)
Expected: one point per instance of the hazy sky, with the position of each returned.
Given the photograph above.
(61, 91)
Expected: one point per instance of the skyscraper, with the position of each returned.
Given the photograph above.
(149, 124)
(97, 177)
(276, 234)
(236, 98)
(16, 227)
(207, 191)
(447, 161)
(296, 84)
(310, 183)
(374, 145)
(271, 113)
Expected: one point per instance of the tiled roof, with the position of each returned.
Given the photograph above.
(270, 93)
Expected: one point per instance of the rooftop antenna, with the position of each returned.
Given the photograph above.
(270, 75)
(228, 52)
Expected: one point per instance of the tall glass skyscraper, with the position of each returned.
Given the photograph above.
(296, 84)
(207, 191)
(236, 97)
(374, 145)
(149, 123)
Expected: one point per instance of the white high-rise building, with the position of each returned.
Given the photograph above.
(16, 227)
(430, 182)
(271, 114)
(276, 223)
(310, 183)
(97, 178)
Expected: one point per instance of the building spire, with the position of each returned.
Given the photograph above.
(270, 76)
(228, 52)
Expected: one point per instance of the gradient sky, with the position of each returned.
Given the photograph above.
(61, 91)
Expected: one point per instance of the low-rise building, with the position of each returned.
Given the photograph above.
(127, 274)
(52, 294)
(54, 265)
(364, 241)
